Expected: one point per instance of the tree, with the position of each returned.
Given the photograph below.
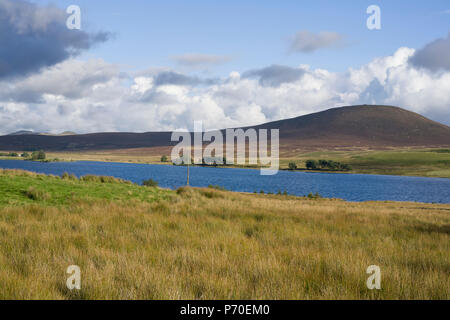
(164, 158)
(38, 155)
(25, 155)
(311, 164)
(292, 166)
(150, 183)
(323, 163)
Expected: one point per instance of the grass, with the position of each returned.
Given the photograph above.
(19, 188)
(134, 242)
(408, 162)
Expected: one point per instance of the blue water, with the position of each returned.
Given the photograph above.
(351, 187)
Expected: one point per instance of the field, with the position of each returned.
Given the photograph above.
(404, 162)
(148, 243)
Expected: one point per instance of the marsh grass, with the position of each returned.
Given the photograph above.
(212, 244)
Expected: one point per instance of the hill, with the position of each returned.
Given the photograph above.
(344, 127)
(362, 126)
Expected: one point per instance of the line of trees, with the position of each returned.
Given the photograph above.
(328, 165)
(35, 155)
(322, 165)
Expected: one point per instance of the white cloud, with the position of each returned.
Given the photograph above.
(91, 96)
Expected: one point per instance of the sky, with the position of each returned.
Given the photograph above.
(143, 65)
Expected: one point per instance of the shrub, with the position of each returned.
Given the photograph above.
(346, 167)
(37, 195)
(311, 164)
(13, 154)
(25, 155)
(314, 196)
(164, 159)
(292, 166)
(150, 183)
(66, 176)
(217, 187)
(38, 155)
(323, 163)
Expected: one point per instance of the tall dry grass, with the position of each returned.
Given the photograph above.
(212, 244)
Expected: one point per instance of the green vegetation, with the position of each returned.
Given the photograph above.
(38, 155)
(134, 242)
(15, 184)
(292, 166)
(424, 162)
(150, 183)
(328, 165)
(217, 187)
(164, 159)
(9, 154)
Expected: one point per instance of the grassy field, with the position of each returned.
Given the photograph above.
(148, 243)
(426, 162)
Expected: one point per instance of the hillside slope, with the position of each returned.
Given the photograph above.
(372, 126)
(354, 126)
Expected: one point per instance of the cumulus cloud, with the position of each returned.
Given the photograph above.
(33, 37)
(306, 41)
(198, 60)
(97, 99)
(434, 56)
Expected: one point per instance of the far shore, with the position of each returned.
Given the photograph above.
(432, 163)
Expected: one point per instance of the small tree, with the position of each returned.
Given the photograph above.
(164, 158)
(150, 183)
(292, 166)
(38, 155)
(25, 155)
(323, 163)
(311, 164)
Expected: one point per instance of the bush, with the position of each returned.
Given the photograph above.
(314, 196)
(217, 187)
(164, 159)
(25, 155)
(150, 183)
(66, 176)
(37, 195)
(292, 166)
(311, 164)
(13, 154)
(38, 155)
(103, 179)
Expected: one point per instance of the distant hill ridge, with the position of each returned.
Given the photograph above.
(353, 126)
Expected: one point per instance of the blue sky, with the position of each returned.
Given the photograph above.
(255, 33)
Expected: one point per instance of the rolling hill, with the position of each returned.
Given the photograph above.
(344, 127)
